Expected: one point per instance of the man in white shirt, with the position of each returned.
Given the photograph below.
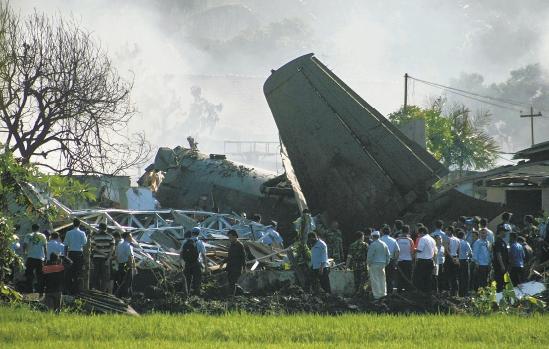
(378, 258)
(75, 240)
(405, 256)
(425, 253)
(394, 250)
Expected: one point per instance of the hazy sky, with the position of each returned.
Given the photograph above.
(169, 46)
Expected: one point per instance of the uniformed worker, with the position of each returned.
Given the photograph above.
(334, 241)
(356, 261)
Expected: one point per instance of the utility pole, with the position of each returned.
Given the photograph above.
(531, 116)
(405, 93)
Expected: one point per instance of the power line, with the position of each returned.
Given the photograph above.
(502, 100)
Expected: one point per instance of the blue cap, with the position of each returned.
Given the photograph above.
(195, 230)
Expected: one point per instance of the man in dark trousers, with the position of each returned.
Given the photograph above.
(425, 252)
(236, 260)
(35, 249)
(102, 249)
(500, 261)
(190, 255)
(319, 263)
(75, 240)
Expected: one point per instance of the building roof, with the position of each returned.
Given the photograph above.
(537, 152)
(529, 174)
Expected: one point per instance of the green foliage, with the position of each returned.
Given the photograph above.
(22, 328)
(9, 295)
(454, 136)
(8, 257)
(485, 302)
(21, 184)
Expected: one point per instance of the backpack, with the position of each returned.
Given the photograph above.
(189, 252)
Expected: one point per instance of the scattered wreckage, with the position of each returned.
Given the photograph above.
(159, 234)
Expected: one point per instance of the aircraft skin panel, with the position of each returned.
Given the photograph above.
(348, 161)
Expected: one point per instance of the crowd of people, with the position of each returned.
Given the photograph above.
(53, 267)
(458, 257)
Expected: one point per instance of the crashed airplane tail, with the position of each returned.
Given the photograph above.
(350, 161)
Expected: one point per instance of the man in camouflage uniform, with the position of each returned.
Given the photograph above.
(356, 261)
(334, 240)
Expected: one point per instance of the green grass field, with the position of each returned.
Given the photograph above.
(23, 328)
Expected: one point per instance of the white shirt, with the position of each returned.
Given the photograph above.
(440, 255)
(453, 246)
(56, 247)
(426, 247)
(406, 247)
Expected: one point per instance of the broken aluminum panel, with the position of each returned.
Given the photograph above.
(351, 162)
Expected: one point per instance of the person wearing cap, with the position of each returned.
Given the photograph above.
(482, 260)
(500, 261)
(405, 257)
(235, 261)
(378, 258)
(102, 249)
(425, 256)
(126, 265)
(394, 250)
(75, 240)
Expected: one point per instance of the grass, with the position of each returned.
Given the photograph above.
(24, 328)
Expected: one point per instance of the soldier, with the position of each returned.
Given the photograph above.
(356, 261)
(334, 240)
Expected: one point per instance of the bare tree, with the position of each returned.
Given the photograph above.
(62, 104)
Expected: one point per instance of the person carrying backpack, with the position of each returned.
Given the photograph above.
(191, 253)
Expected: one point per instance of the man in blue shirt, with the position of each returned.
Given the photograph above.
(482, 259)
(319, 263)
(516, 260)
(464, 255)
(394, 250)
(75, 240)
(35, 250)
(126, 265)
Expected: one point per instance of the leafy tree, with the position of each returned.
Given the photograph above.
(454, 136)
(62, 104)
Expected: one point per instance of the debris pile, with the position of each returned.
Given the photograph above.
(291, 299)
